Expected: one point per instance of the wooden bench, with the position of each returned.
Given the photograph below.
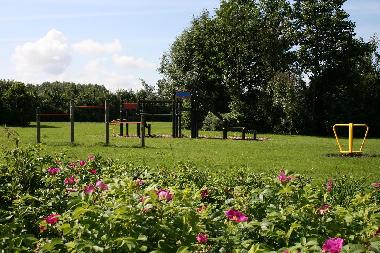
(243, 131)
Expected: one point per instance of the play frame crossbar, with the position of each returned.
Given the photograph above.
(350, 138)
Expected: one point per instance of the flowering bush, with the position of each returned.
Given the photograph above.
(93, 205)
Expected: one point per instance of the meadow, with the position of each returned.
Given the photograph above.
(316, 157)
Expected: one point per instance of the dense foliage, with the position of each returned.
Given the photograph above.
(283, 66)
(51, 204)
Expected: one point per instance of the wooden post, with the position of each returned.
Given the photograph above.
(72, 122)
(126, 130)
(254, 134)
(243, 133)
(224, 133)
(180, 120)
(174, 125)
(106, 121)
(142, 131)
(121, 118)
(38, 125)
(138, 129)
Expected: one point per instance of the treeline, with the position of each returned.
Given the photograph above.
(19, 101)
(278, 66)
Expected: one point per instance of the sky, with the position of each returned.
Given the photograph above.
(114, 43)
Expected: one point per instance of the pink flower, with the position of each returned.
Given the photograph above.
(140, 182)
(204, 193)
(52, 218)
(53, 171)
(70, 180)
(235, 215)
(101, 185)
(201, 208)
(72, 165)
(329, 185)
(88, 189)
(325, 208)
(90, 158)
(164, 195)
(283, 178)
(93, 171)
(82, 163)
(202, 238)
(333, 245)
(376, 185)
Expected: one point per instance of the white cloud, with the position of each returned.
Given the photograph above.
(50, 54)
(96, 71)
(131, 62)
(91, 47)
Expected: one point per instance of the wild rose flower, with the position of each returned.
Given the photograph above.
(52, 218)
(139, 182)
(333, 245)
(202, 238)
(42, 228)
(329, 185)
(235, 215)
(53, 171)
(70, 180)
(204, 193)
(82, 163)
(88, 189)
(325, 208)
(201, 208)
(164, 195)
(93, 171)
(283, 178)
(90, 158)
(376, 185)
(101, 185)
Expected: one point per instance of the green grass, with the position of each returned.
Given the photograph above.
(311, 156)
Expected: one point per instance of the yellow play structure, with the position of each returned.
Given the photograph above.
(350, 126)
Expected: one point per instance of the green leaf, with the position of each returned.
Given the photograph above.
(183, 249)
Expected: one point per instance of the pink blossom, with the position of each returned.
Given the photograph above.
(235, 215)
(204, 193)
(283, 178)
(164, 195)
(329, 185)
(201, 208)
(72, 165)
(88, 189)
(93, 171)
(53, 171)
(376, 185)
(202, 238)
(325, 208)
(333, 245)
(52, 218)
(377, 233)
(101, 185)
(70, 180)
(140, 182)
(82, 163)
(90, 158)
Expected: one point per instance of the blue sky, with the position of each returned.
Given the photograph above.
(109, 42)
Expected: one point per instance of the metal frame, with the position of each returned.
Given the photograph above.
(350, 138)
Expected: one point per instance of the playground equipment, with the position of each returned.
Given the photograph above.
(106, 118)
(350, 150)
(38, 121)
(243, 131)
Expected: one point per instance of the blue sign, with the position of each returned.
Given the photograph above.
(183, 94)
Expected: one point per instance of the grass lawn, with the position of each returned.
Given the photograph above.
(311, 156)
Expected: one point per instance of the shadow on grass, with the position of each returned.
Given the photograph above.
(99, 144)
(43, 126)
(352, 155)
